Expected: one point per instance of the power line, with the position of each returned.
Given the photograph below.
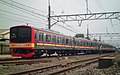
(13, 5)
(71, 27)
(19, 15)
(19, 18)
(14, 20)
(29, 7)
(25, 12)
(67, 28)
(112, 25)
(99, 4)
(23, 8)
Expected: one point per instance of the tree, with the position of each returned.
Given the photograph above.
(87, 38)
(94, 39)
(79, 35)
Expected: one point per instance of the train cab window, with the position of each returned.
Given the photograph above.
(53, 39)
(48, 38)
(41, 37)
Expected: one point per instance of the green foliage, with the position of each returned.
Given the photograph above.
(94, 39)
(88, 38)
(79, 35)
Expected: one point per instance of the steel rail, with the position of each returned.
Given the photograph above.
(58, 66)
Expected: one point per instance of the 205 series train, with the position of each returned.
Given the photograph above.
(27, 42)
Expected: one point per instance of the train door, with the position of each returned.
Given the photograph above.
(35, 40)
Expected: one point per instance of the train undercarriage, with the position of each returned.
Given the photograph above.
(49, 52)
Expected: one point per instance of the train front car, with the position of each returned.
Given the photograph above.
(21, 41)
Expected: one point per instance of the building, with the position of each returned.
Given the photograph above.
(4, 33)
(4, 36)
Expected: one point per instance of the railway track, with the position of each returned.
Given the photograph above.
(24, 62)
(31, 61)
(59, 68)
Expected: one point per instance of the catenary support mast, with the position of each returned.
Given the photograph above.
(49, 20)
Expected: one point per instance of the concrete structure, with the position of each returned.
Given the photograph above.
(4, 34)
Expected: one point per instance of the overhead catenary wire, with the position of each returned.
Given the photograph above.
(75, 31)
(12, 3)
(15, 6)
(25, 20)
(64, 22)
(27, 13)
(112, 25)
(67, 28)
(71, 27)
(28, 18)
(100, 5)
(29, 7)
(35, 16)
(14, 19)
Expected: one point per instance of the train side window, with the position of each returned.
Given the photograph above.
(77, 43)
(70, 42)
(54, 39)
(90, 44)
(67, 41)
(59, 40)
(83, 43)
(63, 40)
(48, 38)
(35, 36)
(87, 43)
(41, 37)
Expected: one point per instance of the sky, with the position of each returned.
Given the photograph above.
(9, 15)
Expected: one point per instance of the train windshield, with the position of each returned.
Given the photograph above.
(20, 34)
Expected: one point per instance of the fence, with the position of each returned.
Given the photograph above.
(4, 49)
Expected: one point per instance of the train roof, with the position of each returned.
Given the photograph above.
(53, 32)
(58, 33)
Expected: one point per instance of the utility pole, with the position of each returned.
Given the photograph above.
(49, 20)
(88, 33)
(87, 6)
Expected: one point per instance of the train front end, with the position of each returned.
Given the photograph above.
(22, 41)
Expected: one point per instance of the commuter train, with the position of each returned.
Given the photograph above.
(27, 41)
